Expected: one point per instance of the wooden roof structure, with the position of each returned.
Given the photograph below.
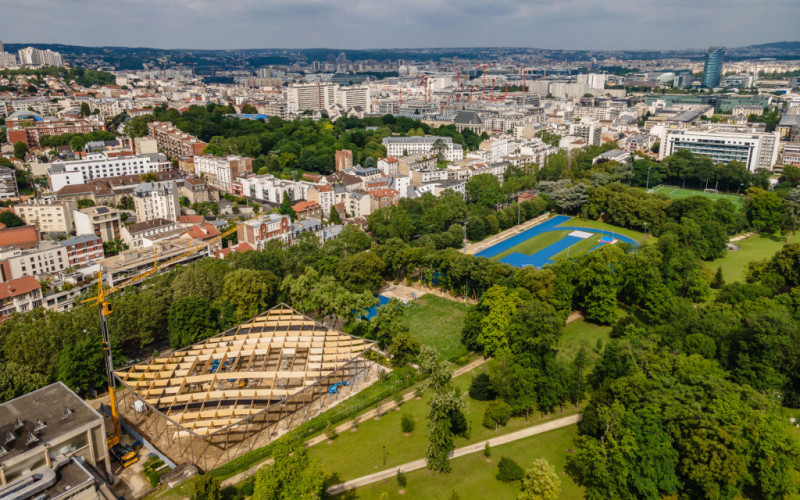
(224, 380)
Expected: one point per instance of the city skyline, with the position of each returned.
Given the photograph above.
(573, 25)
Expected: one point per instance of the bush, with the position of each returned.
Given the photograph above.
(481, 388)
(508, 470)
(497, 413)
(487, 450)
(401, 479)
(407, 424)
(458, 423)
(206, 488)
(330, 431)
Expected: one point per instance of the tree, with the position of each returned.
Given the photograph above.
(485, 189)
(113, 247)
(404, 349)
(540, 482)
(249, 291)
(763, 210)
(293, 475)
(509, 471)
(334, 217)
(17, 379)
(497, 413)
(206, 488)
(85, 110)
(719, 279)
(149, 177)
(407, 423)
(439, 148)
(360, 272)
(501, 305)
(191, 319)
(81, 366)
(249, 109)
(20, 150)
(481, 388)
(85, 203)
(791, 173)
(10, 219)
(286, 207)
(446, 401)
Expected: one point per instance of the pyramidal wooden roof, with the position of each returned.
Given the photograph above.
(224, 379)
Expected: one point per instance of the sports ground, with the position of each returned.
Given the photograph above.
(552, 239)
(676, 192)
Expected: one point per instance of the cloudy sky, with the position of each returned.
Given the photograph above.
(567, 24)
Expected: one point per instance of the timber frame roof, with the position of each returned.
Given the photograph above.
(224, 380)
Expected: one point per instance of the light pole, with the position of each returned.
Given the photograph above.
(645, 232)
(648, 179)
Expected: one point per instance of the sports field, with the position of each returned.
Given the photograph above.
(675, 193)
(558, 237)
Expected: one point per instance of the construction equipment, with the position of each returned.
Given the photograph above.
(105, 309)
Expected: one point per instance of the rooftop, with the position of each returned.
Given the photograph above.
(60, 409)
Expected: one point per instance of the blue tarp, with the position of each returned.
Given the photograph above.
(372, 311)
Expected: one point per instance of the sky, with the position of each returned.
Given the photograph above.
(361, 24)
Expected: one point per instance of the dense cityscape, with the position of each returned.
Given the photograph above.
(452, 273)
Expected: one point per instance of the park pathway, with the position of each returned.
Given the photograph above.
(460, 452)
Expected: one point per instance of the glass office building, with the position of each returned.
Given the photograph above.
(712, 71)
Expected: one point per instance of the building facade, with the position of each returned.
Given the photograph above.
(173, 142)
(83, 249)
(220, 172)
(406, 146)
(47, 215)
(19, 295)
(8, 183)
(101, 166)
(103, 222)
(260, 231)
(712, 69)
(755, 150)
(156, 200)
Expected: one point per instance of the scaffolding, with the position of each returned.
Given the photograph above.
(229, 394)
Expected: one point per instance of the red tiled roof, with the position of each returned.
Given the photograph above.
(381, 193)
(202, 231)
(305, 205)
(324, 188)
(18, 235)
(191, 219)
(241, 247)
(19, 286)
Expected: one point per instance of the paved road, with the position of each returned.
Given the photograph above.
(460, 452)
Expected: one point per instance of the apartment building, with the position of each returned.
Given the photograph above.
(220, 172)
(388, 166)
(173, 142)
(355, 95)
(46, 257)
(101, 166)
(146, 234)
(755, 150)
(48, 215)
(323, 195)
(310, 96)
(791, 153)
(83, 249)
(279, 109)
(343, 160)
(103, 222)
(19, 295)
(265, 228)
(30, 56)
(8, 183)
(405, 146)
(358, 204)
(31, 131)
(591, 133)
(308, 209)
(156, 200)
(270, 189)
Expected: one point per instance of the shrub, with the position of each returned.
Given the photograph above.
(407, 423)
(401, 479)
(458, 423)
(497, 413)
(487, 450)
(330, 431)
(206, 488)
(481, 388)
(508, 470)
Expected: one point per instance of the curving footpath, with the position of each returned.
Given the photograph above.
(460, 452)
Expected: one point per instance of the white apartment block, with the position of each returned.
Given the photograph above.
(47, 215)
(100, 166)
(156, 200)
(403, 146)
(7, 59)
(8, 183)
(101, 221)
(220, 172)
(269, 188)
(357, 95)
(324, 194)
(46, 257)
(358, 204)
(591, 133)
(791, 153)
(755, 150)
(30, 56)
(310, 96)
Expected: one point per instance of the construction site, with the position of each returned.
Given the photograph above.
(229, 394)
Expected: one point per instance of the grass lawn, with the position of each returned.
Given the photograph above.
(437, 322)
(534, 244)
(356, 454)
(593, 224)
(582, 333)
(578, 248)
(734, 263)
(474, 478)
(676, 193)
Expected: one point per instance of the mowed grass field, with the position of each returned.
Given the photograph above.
(676, 193)
(535, 244)
(757, 247)
(582, 333)
(359, 453)
(437, 322)
(473, 478)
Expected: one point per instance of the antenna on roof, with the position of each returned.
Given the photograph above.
(31, 438)
(39, 426)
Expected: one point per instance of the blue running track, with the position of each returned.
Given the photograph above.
(548, 225)
(542, 257)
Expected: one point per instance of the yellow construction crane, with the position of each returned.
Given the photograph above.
(104, 306)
